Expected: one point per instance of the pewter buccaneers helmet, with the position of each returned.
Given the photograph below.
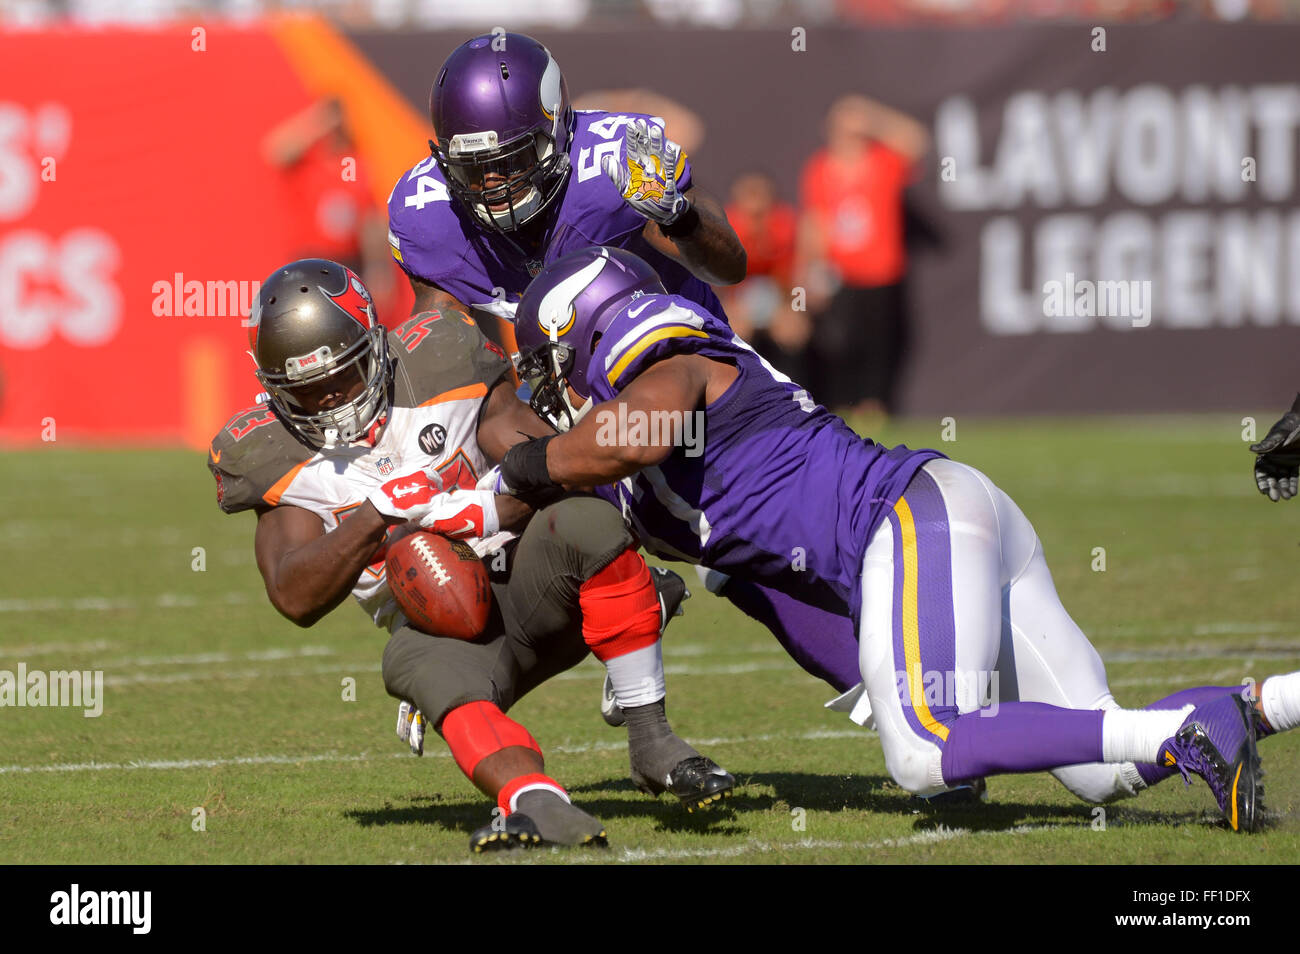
(314, 319)
(501, 111)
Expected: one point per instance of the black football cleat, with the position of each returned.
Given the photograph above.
(517, 831)
(973, 792)
(520, 831)
(698, 783)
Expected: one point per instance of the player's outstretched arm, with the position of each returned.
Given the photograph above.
(307, 571)
(594, 452)
(702, 241)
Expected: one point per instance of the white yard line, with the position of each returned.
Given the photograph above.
(941, 834)
(45, 649)
(47, 604)
(434, 750)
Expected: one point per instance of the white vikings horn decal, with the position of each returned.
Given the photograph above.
(555, 312)
(549, 90)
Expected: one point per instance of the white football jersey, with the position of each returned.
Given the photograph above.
(443, 371)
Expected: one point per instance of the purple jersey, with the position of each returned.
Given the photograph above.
(436, 240)
(776, 490)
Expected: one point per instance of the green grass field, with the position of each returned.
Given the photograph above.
(212, 700)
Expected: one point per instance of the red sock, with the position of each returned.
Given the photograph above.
(479, 729)
(620, 609)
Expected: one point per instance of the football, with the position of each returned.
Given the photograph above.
(440, 584)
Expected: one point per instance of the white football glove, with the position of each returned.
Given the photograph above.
(646, 175)
(410, 727)
(493, 482)
(463, 513)
(419, 498)
(408, 497)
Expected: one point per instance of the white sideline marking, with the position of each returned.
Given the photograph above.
(432, 751)
(201, 659)
(42, 649)
(1228, 676)
(162, 679)
(100, 604)
(165, 764)
(940, 834)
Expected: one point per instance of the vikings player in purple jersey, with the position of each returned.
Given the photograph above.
(517, 179)
(970, 666)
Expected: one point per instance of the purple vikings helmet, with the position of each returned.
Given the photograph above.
(562, 315)
(504, 123)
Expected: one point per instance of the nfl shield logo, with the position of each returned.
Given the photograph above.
(534, 267)
(385, 466)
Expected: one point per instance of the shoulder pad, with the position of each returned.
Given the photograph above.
(440, 351)
(251, 456)
(650, 330)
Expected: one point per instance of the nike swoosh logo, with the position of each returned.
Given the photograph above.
(633, 312)
(469, 525)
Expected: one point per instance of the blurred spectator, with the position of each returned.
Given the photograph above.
(760, 307)
(684, 126)
(325, 178)
(850, 254)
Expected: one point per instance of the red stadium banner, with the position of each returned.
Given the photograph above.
(138, 214)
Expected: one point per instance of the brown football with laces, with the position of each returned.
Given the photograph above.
(440, 584)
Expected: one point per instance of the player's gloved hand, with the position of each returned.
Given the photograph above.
(408, 497)
(462, 513)
(494, 482)
(646, 174)
(410, 727)
(1277, 467)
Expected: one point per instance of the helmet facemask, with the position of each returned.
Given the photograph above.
(348, 421)
(505, 186)
(546, 371)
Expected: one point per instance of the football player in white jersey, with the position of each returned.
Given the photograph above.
(365, 431)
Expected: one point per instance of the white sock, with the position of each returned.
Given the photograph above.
(638, 676)
(1280, 699)
(1135, 735)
